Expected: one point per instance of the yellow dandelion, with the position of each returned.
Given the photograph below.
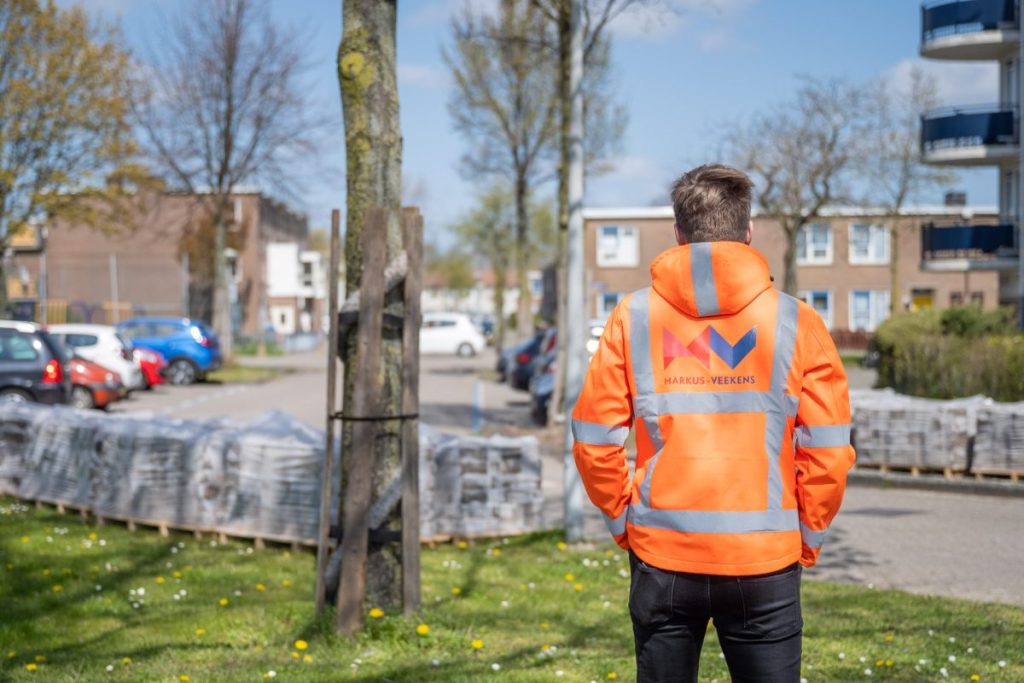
(570, 578)
(25, 539)
(295, 655)
(609, 554)
(562, 545)
(301, 645)
(200, 631)
(577, 587)
(545, 647)
(889, 663)
(57, 588)
(12, 654)
(184, 678)
(422, 629)
(477, 644)
(46, 572)
(463, 545)
(286, 583)
(126, 661)
(67, 570)
(879, 662)
(186, 568)
(31, 667)
(545, 626)
(975, 677)
(308, 659)
(40, 658)
(93, 536)
(496, 551)
(223, 602)
(260, 587)
(456, 590)
(161, 579)
(888, 636)
(612, 675)
(176, 574)
(376, 613)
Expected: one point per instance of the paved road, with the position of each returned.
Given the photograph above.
(938, 543)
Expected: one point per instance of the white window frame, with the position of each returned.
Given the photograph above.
(869, 260)
(619, 260)
(873, 323)
(807, 258)
(804, 295)
(601, 313)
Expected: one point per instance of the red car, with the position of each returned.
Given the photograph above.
(153, 365)
(92, 385)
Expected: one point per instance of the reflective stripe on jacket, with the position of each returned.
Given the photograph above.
(739, 406)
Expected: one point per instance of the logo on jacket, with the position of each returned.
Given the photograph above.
(707, 342)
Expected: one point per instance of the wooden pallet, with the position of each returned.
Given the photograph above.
(997, 474)
(912, 470)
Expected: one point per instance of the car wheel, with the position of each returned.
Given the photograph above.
(82, 398)
(181, 371)
(465, 350)
(14, 396)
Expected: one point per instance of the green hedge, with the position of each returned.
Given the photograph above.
(958, 352)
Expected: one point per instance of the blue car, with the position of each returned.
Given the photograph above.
(190, 346)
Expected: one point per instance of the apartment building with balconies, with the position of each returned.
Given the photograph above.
(978, 135)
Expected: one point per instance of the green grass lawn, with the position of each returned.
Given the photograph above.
(77, 600)
(233, 373)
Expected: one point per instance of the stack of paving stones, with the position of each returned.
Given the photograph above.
(891, 430)
(999, 444)
(257, 480)
(486, 486)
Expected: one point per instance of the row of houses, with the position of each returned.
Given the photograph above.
(65, 271)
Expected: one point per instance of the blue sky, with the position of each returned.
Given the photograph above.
(683, 74)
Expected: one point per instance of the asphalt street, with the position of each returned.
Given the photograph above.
(940, 543)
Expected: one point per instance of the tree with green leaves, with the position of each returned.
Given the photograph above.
(66, 144)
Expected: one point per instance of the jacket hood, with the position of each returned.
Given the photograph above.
(706, 279)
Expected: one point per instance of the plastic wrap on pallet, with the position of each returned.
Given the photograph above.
(999, 444)
(17, 431)
(902, 431)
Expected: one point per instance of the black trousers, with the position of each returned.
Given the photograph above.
(758, 621)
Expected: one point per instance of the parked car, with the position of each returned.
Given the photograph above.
(153, 366)
(33, 365)
(190, 346)
(92, 385)
(450, 333)
(542, 386)
(526, 363)
(511, 355)
(104, 345)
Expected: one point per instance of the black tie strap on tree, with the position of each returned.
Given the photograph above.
(373, 418)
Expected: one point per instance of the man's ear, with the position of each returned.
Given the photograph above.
(750, 233)
(680, 237)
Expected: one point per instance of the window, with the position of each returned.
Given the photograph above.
(922, 299)
(869, 244)
(307, 274)
(868, 308)
(978, 299)
(18, 347)
(606, 302)
(617, 246)
(821, 301)
(76, 340)
(814, 245)
(956, 299)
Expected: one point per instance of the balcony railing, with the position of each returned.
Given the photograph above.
(944, 18)
(975, 242)
(969, 127)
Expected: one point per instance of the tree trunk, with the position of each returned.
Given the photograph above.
(221, 319)
(500, 279)
(373, 151)
(894, 266)
(524, 315)
(564, 139)
(789, 284)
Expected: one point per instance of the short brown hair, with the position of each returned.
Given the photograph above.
(712, 204)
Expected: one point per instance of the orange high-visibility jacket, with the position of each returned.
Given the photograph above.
(740, 408)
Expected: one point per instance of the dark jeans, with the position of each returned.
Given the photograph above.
(757, 618)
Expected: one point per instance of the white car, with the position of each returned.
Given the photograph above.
(450, 333)
(103, 345)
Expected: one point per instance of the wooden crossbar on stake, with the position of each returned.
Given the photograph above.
(412, 233)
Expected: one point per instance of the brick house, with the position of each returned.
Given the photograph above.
(843, 261)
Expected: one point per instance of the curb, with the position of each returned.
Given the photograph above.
(977, 487)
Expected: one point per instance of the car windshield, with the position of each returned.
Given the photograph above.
(124, 341)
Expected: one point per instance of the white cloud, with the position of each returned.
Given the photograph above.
(635, 180)
(423, 76)
(958, 83)
(712, 19)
